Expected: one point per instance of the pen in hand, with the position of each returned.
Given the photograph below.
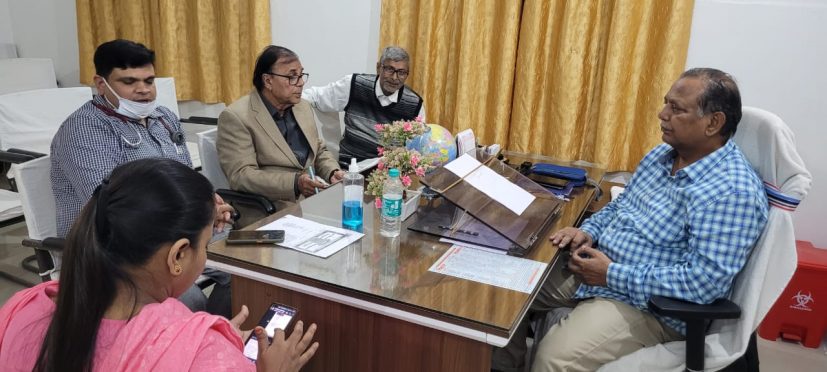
(312, 177)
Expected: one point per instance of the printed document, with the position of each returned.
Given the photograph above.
(312, 237)
(514, 273)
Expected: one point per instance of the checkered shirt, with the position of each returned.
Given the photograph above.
(90, 144)
(684, 236)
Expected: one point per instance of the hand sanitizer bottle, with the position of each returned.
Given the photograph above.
(354, 186)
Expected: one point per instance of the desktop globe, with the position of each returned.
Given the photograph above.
(436, 144)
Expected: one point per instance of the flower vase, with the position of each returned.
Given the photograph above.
(410, 203)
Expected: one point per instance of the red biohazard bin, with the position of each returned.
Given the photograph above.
(800, 314)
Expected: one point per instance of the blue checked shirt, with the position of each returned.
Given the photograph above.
(684, 236)
(90, 144)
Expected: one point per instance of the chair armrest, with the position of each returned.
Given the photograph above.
(200, 120)
(34, 154)
(17, 156)
(48, 244)
(230, 196)
(719, 309)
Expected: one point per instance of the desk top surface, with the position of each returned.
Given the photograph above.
(395, 272)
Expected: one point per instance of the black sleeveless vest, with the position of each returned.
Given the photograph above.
(363, 111)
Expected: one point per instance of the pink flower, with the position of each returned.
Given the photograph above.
(406, 181)
(418, 119)
(407, 127)
(378, 203)
(380, 165)
(414, 160)
(380, 150)
(378, 127)
(420, 171)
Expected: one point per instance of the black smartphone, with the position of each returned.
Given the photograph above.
(255, 237)
(278, 316)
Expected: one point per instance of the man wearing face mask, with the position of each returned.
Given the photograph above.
(123, 122)
(368, 99)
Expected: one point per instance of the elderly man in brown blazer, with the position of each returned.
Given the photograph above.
(267, 140)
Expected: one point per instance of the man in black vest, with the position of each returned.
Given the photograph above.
(369, 99)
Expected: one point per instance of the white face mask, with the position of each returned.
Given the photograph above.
(131, 109)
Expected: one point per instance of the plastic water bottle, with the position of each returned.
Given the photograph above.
(354, 186)
(391, 204)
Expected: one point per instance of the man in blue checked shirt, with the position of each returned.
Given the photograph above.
(683, 228)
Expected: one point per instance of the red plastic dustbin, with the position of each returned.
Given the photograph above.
(800, 313)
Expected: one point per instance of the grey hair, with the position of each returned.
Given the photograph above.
(394, 53)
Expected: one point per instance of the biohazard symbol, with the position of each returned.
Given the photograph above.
(802, 301)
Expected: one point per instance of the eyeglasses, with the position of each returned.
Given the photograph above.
(292, 79)
(388, 70)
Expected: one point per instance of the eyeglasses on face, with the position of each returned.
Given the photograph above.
(292, 79)
(388, 70)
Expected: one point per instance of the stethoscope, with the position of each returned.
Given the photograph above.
(176, 136)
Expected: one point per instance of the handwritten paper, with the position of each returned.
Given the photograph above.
(514, 273)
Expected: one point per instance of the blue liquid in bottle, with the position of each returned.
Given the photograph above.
(352, 215)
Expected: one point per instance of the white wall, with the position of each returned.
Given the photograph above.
(332, 38)
(6, 35)
(7, 49)
(777, 51)
(47, 29)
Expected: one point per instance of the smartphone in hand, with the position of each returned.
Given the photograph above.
(278, 316)
(255, 237)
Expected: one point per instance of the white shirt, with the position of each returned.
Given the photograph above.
(333, 97)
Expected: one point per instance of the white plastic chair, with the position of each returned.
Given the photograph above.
(243, 202)
(35, 189)
(21, 74)
(166, 96)
(769, 145)
(331, 127)
(10, 207)
(210, 167)
(29, 120)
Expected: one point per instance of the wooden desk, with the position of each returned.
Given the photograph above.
(377, 306)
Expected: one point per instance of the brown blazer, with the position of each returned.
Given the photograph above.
(256, 157)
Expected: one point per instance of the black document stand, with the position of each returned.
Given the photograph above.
(474, 217)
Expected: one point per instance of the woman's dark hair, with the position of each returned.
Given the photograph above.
(123, 54)
(720, 94)
(144, 204)
(265, 61)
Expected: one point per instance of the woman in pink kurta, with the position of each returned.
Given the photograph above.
(138, 244)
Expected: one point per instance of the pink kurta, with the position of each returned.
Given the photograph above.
(162, 337)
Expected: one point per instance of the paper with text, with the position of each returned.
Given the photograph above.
(518, 274)
(312, 237)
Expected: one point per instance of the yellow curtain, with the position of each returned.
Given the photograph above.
(462, 59)
(208, 46)
(592, 76)
(569, 79)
